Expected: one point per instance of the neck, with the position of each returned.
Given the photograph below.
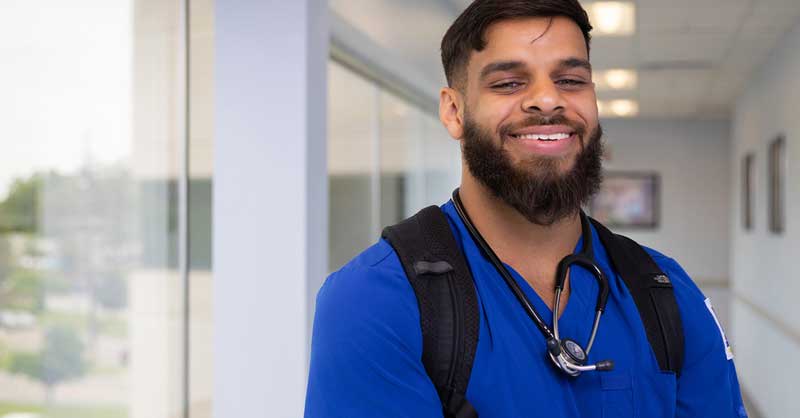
(533, 250)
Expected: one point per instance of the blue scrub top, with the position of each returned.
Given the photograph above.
(367, 347)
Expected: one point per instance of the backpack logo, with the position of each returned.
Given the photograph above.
(661, 279)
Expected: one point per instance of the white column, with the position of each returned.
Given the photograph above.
(270, 201)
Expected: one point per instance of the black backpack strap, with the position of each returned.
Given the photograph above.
(653, 294)
(448, 304)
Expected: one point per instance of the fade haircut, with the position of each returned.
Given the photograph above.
(466, 34)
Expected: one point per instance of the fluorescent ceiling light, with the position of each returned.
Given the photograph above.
(618, 108)
(617, 79)
(612, 18)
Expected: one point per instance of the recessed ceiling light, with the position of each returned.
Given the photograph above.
(612, 18)
(616, 79)
(618, 108)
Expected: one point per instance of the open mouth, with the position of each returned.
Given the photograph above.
(552, 140)
(543, 137)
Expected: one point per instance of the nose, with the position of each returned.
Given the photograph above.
(544, 98)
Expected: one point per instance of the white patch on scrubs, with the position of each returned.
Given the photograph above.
(728, 349)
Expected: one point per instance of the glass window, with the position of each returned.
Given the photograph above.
(387, 159)
(441, 162)
(93, 209)
(352, 164)
(400, 160)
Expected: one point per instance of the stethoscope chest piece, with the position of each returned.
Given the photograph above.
(574, 351)
(569, 357)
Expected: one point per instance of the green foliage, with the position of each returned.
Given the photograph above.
(23, 289)
(19, 212)
(56, 283)
(5, 357)
(27, 364)
(106, 325)
(60, 359)
(50, 319)
(66, 411)
(6, 260)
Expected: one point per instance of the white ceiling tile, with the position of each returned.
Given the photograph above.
(618, 95)
(678, 84)
(667, 108)
(745, 56)
(682, 47)
(728, 86)
(714, 109)
(714, 18)
(769, 16)
(613, 53)
(692, 17)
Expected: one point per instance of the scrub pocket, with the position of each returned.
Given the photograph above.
(617, 392)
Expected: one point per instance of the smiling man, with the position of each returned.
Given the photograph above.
(508, 301)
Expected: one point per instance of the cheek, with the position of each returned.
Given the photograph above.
(586, 108)
(494, 112)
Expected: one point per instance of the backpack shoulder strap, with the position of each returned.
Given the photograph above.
(653, 294)
(447, 302)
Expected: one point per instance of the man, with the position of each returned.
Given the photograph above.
(522, 104)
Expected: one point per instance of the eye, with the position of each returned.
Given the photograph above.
(508, 85)
(570, 82)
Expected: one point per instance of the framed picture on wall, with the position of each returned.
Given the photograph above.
(748, 167)
(777, 177)
(628, 200)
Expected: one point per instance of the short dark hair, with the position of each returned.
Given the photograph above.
(466, 34)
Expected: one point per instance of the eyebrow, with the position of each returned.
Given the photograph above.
(500, 66)
(572, 62)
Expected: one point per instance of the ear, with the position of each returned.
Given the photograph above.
(451, 111)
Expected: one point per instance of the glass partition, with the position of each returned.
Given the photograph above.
(352, 163)
(94, 209)
(387, 158)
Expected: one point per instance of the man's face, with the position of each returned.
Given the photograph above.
(531, 87)
(528, 121)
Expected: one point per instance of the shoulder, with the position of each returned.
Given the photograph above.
(369, 294)
(702, 332)
(375, 271)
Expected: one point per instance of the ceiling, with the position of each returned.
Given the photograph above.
(693, 56)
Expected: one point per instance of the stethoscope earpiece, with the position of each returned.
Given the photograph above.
(567, 355)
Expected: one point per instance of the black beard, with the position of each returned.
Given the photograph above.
(535, 188)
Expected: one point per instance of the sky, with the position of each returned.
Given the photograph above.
(65, 85)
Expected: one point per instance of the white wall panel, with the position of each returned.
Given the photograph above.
(270, 201)
(762, 272)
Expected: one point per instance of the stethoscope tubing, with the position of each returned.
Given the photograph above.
(585, 259)
(512, 284)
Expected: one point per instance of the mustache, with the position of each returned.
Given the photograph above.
(538, 120)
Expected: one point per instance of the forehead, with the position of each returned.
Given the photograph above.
(537, 40)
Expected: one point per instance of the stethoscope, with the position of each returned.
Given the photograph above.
(567, 355)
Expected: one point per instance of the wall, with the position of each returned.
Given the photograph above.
(270, 202)
(692, 158)
(765, 313)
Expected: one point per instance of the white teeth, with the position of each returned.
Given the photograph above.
(552, 137)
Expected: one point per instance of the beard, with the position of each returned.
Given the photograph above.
(535, 187)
